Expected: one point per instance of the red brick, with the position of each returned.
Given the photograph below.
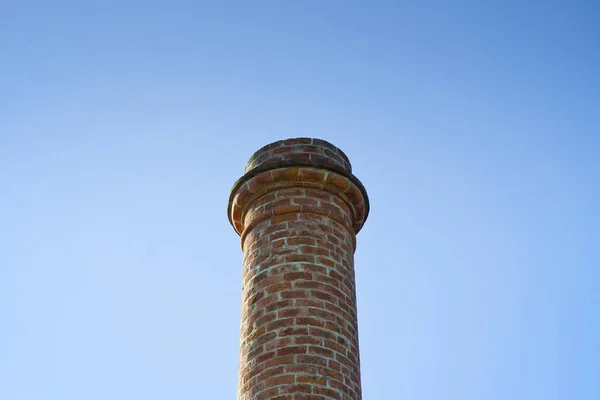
(309, 285)
(313, 380)
(279, 287)
(331, 394)
(312, 360)
(296, 276)
(279, 361)
(299, 337)
(301, 241)
(288, 142)
(271, 372)
(268, 394)
(278, 305)
(291, 350)
(292, 312)
(309, 303)
(294, 294)
(283, 218)
(291, 331)
(308, 340)
(280, 380)
(280, 323)
(277, 343)
(297, 388)
(324, 296)
(309, 321)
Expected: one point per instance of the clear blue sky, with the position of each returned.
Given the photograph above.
(474, 125)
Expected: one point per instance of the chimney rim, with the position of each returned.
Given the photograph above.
(298, 145)
(296, 163)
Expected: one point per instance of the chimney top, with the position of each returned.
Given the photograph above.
(304, 151)
(302, 162)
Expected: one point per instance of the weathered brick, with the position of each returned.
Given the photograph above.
(312, 360)
(279, 361)
(298, 221)
(313, 380)
(301, 241)
(280, 380)
(291, 331)
(308, 340)
(294, 294)
(288, 142)
(278, 287)
(297, 388)
(329, 393)
(288, 278)
(268, 394)
(277, 343)
(292, 350)
(280, 323)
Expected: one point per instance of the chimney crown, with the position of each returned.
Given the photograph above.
(304, 162)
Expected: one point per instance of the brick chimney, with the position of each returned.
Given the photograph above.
(298, 209)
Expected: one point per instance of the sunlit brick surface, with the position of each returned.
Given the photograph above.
(298, 210)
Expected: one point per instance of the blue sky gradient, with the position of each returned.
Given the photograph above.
(474, 127)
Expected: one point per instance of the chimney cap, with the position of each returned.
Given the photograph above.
(298, 162)
(317, 152)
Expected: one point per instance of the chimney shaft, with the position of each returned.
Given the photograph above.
(298, 209)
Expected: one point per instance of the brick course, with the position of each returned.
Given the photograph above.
(298, 209)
